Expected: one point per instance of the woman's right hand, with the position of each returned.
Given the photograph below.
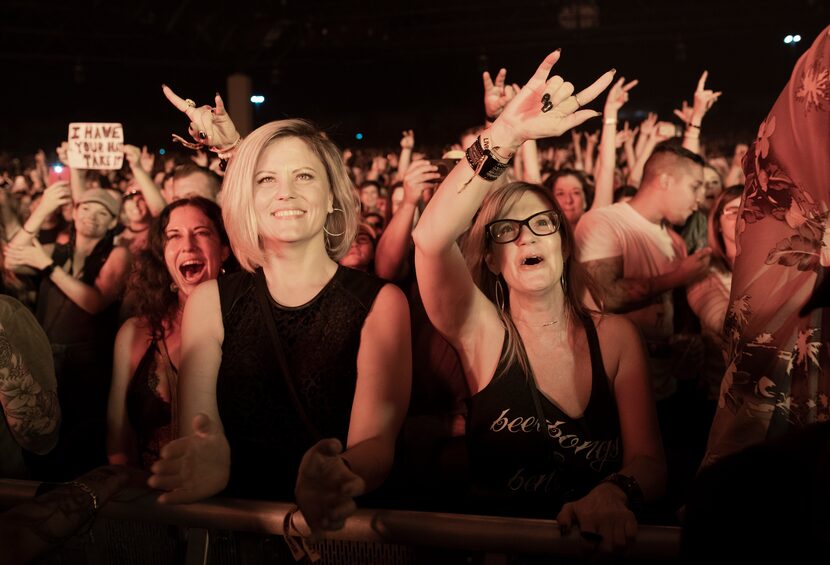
(209, 126)
(545, 107)
(194, 467)
(54, 197)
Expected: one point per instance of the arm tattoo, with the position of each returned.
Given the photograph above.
(619, 294)
(32, 413)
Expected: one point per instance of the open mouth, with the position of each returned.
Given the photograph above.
(532, 260)
(192, 270)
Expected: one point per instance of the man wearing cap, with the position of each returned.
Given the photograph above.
(77, 306)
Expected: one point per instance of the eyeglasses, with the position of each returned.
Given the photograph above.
(541, 223)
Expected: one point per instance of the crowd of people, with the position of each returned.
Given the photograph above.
(535, 322)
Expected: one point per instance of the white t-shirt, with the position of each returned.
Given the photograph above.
(647, 250)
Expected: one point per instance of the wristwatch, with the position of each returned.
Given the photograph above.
(630, 487)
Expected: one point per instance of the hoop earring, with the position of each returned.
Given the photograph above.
(328, 233)
(499, 295)
(173, 287)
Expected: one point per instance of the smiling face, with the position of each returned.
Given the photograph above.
(92, 220)
(193, 251)
(291, 193)
(570, 195)
(531, 263)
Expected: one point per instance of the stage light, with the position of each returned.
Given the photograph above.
(796, 38)
(257, 99)
(162, 151)
(58, 168)
(358, 136)
(788, 39)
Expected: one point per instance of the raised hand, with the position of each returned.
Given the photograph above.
(738, 156)
(326, 487)
(495, 97)
(618, 95)
(209, 125)
(133, 155)
(54, 197)
(547, 107)
(407, 139)
(684, 113)
(62, 152)
(419, 176)
(704, 98)
(193, 467)
(147, 159)
(647, 125)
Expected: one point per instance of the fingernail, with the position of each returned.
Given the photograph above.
(558, 50)
(217, 94)
(163, 85)
(613, 71)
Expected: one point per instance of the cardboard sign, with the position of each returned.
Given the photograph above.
(96, 146)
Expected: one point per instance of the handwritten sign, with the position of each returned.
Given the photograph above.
(96, 146)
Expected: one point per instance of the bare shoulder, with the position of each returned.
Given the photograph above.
(618, 337)
(390, 303)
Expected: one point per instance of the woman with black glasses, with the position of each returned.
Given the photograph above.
(532, 351)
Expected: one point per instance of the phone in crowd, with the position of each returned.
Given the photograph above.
(444, 167)
(666, 129)
(58, 172)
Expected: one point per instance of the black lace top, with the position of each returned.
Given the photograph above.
(517, 470)
(320, 340)
(147, 410)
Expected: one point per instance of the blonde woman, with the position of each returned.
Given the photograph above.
(252, 423)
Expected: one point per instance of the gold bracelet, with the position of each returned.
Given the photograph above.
(87, 490)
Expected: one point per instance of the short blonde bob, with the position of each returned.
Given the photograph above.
(237, 196)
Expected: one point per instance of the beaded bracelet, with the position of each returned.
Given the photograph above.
(87, 490)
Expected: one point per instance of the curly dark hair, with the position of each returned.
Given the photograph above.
(150, 280)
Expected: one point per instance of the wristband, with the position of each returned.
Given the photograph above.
(691, 125)
(630, 487)
(483, 162)
(609, 121)
(32, 233)
(47, 272)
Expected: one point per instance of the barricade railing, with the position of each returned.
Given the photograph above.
(397, 532)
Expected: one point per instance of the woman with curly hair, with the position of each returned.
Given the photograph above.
(187, 246)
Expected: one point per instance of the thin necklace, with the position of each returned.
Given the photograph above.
(542, 325)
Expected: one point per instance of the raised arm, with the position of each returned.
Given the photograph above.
(704, 99)
(77, 180)
(543, 108)
(197, 464)
(607, 158)
(210, 126)
(392, 254)
(405, 158)
(53, 198)
(151, 192)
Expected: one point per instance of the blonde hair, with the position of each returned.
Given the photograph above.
(237, 196)
(475, 246)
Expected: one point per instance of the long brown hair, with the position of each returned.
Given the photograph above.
(150, 280)
(575, 280)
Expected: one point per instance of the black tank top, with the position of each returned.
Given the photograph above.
(517, 469)
(64, 321)
(321, 341)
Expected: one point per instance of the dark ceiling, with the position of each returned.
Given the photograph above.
(378, 67)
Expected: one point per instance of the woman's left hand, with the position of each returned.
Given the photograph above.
(32, 256)
(326, 487)
(603, 518)
(546, 107)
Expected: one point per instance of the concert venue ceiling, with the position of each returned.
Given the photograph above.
(378, 67)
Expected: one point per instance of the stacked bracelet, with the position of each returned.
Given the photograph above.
(83, 486)
(483, 161)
